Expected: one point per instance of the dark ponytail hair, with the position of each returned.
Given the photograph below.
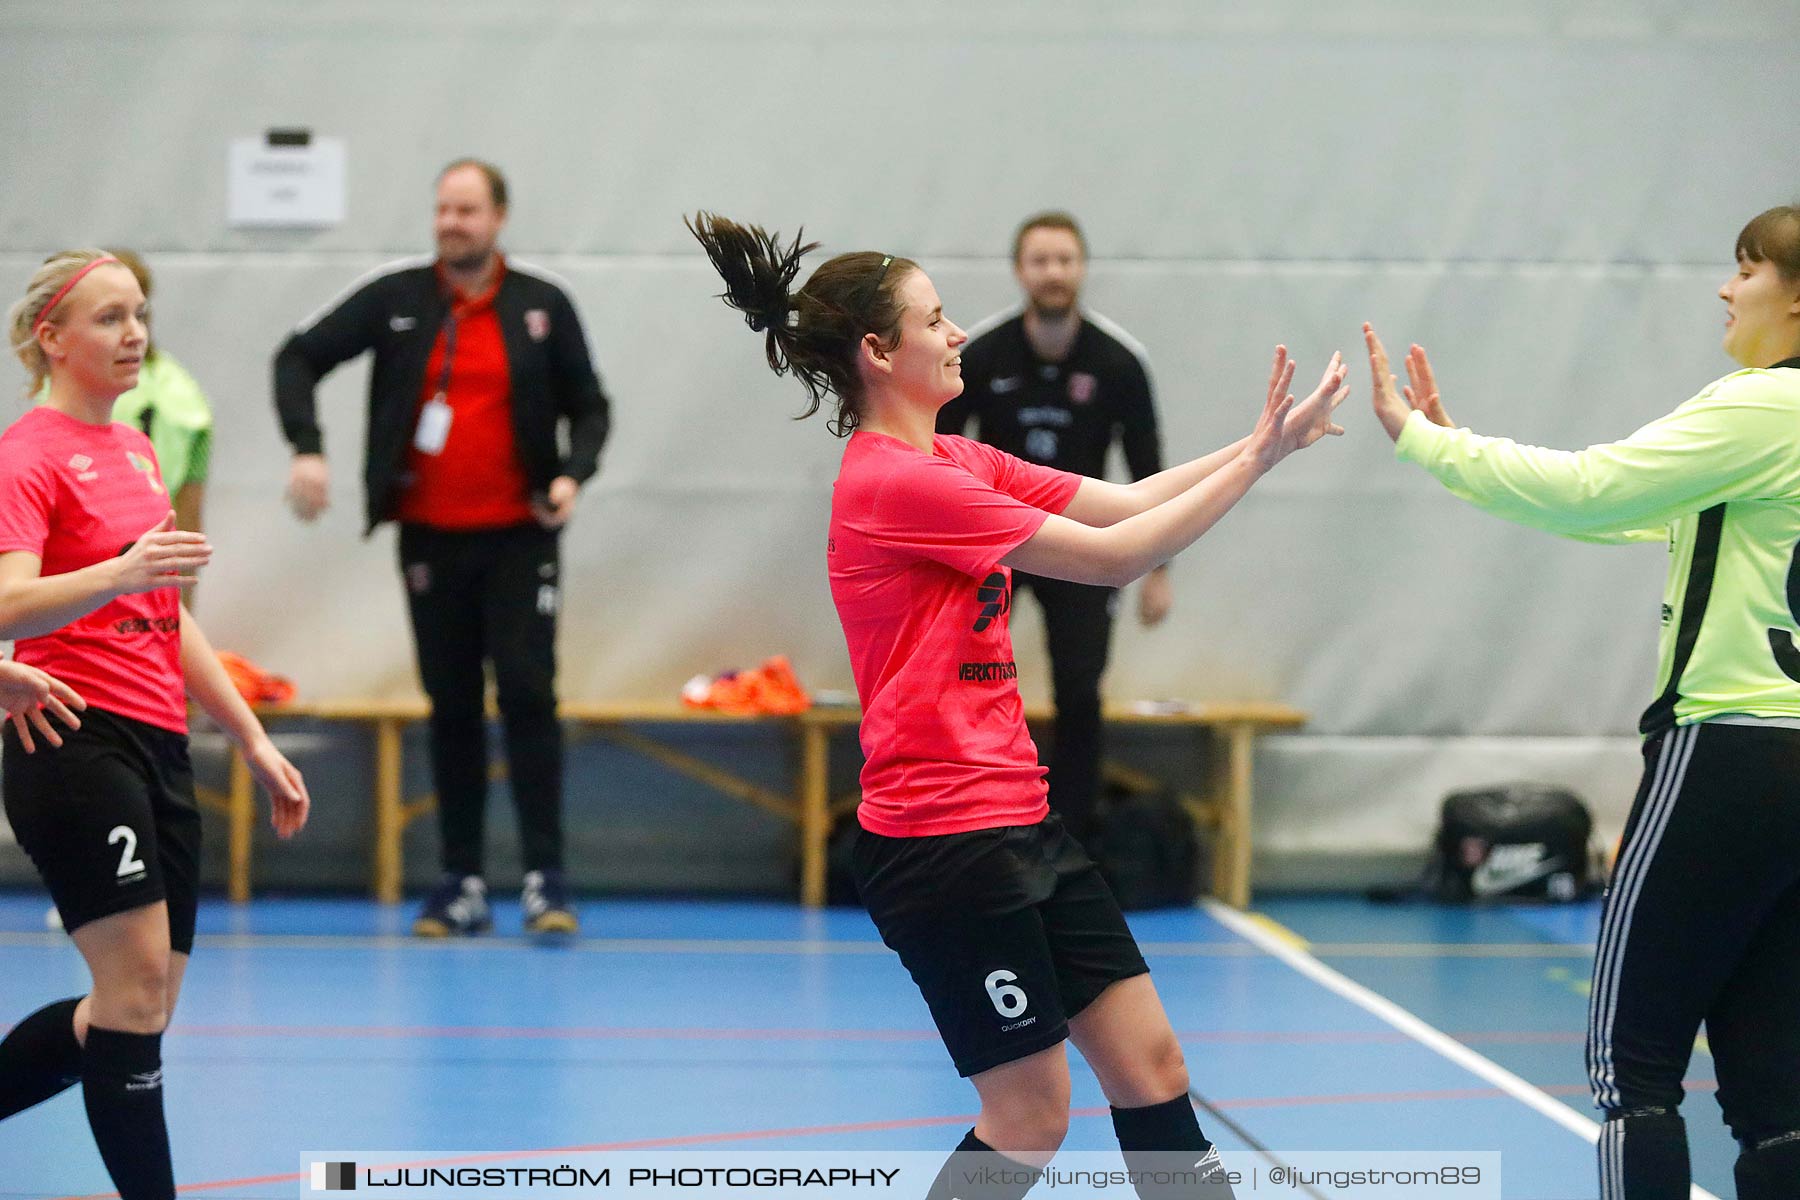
(816, 332)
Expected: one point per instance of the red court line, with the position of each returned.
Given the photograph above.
(703, 1034)
(703, 1139)
(696, 1034)
(555, 1033)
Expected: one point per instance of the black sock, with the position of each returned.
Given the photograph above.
(39, 1058)
(1164, 1140)
(1644, 1155)
(121, 1079)
(976, 1171)
(1770, 1170)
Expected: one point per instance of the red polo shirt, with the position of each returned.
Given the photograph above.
(476, 481)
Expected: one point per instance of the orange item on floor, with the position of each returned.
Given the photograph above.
(253, 683)
(772, 688)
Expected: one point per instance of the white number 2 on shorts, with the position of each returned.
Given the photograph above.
(1009, 1001)
(129, 862)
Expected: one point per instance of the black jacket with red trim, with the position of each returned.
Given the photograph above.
(397, 312)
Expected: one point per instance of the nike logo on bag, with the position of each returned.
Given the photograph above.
(1508, 867)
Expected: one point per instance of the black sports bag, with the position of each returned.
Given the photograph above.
(1519, 841)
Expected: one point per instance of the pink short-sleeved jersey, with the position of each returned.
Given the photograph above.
(76, 494)
(915, 547)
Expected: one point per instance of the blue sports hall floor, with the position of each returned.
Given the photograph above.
(1310, 1024)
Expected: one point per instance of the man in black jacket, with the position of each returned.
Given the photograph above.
(1058, 385)
(480, 364)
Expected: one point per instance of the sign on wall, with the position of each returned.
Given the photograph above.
(286, 179)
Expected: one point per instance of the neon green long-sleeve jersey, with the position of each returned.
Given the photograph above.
(1719, 477)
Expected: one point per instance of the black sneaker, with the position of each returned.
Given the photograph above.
(545, 903)
(458, 905)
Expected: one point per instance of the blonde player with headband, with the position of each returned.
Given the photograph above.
(89, 566)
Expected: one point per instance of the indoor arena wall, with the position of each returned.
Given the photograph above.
(1544, 194)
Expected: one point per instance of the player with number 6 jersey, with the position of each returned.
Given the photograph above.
(1702, 919)
(90, 564)
(1002, 919)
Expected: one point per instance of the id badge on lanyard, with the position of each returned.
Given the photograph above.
(433, 430)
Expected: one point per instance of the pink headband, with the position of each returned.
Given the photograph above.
(44, 312)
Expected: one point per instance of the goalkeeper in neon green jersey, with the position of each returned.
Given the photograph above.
(1702, 918)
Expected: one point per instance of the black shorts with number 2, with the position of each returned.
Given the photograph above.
(1008, 932)
(109, 820)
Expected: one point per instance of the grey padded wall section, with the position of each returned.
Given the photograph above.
(1545, 194)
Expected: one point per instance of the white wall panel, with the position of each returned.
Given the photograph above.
(1544, 194)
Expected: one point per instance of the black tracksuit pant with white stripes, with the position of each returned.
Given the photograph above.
(1702, 925)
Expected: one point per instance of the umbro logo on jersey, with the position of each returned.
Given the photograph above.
(402, 324)
(82, 465)
(1005, 384)
(995, 597)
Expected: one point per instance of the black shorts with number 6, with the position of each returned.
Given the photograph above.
(109, 820)
(1008, 932)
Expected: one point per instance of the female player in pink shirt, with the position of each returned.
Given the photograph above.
(90, 563)
(999, 915)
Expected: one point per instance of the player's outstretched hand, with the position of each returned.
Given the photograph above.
(1285, 426)
(1310, 419)
(1394, 404)
(1267, 445)
(1421, 389)
(1391, 409)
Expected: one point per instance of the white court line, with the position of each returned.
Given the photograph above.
(1383, 1009)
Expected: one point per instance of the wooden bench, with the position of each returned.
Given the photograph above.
(1225, 736)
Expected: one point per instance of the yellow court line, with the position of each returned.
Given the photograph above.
(1277, 930)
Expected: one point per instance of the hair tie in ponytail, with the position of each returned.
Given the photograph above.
(776, 318)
